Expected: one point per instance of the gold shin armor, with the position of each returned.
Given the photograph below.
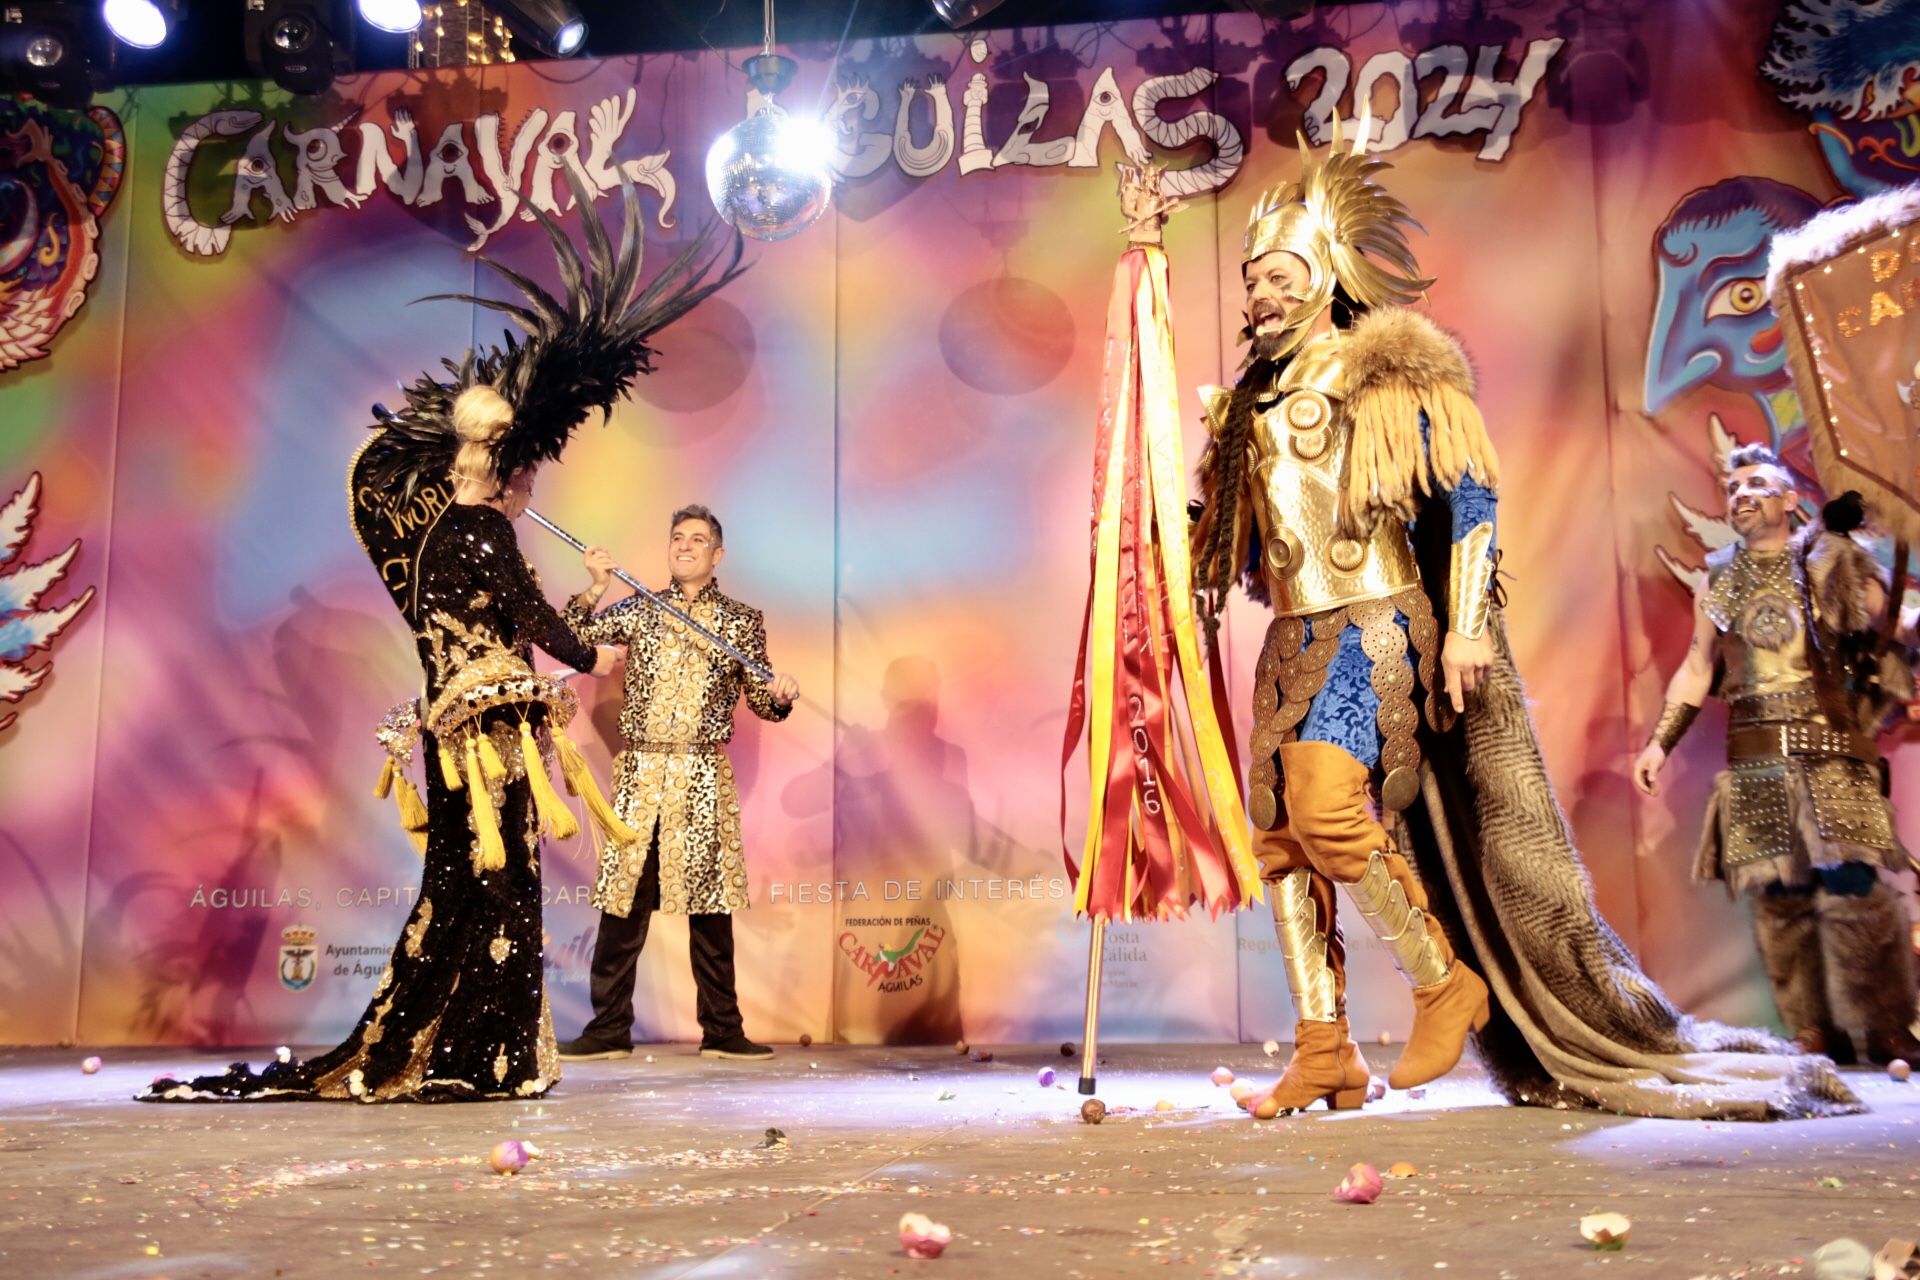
(1400, 926)
(1303, 948)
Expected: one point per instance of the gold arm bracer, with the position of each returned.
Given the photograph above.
(1303, 948)
(1470, 582)
(1400, 926)
(1675, 719)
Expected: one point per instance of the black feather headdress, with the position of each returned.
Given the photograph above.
(581, 351)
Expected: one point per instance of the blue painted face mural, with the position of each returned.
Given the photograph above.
(1711, 321)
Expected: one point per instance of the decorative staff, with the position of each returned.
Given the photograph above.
(1165, 823)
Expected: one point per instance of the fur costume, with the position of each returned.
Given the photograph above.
(1576, 1021)
(1787, 928)
(1869, 961)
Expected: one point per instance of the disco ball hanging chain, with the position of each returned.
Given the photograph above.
(770, 175)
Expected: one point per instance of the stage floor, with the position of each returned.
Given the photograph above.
(656, 1166)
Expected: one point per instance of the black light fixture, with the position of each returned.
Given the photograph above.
(554, 27)
(958, 13)
(301, 45)
(54, 52)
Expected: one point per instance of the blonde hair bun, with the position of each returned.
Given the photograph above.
(481, 414)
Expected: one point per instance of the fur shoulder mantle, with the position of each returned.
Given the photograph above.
(1394, 344)
(1404, 371)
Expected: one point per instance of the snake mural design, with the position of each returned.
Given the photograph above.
(59, 171)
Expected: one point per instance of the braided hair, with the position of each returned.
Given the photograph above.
(1221, 534)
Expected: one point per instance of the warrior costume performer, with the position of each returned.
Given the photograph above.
(460, 1012)
(1796, 632)
(1349, 482)
(1797, 819)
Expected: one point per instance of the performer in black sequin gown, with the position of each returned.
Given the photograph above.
(460, 1011)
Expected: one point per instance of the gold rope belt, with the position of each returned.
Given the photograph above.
(677, 748)
(1759, 742)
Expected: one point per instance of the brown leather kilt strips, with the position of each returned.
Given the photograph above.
(1293, 669)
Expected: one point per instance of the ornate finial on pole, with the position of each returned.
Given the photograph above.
(1143, 204)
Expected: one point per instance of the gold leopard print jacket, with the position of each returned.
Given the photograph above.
(674, 773)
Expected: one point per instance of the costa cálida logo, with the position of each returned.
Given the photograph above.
(900, 962)
(298, 964)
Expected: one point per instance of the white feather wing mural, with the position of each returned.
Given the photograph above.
(25, 627)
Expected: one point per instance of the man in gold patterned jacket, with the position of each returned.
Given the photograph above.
(673, 785)
(1349, 483)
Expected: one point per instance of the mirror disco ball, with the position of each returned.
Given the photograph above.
(769, 176)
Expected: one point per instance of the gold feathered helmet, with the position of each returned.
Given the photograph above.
(1344, 225)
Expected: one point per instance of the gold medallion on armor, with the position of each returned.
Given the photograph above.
(1346, 554)
(1769, 622)
(1400, 788)
(1306, 410)
(1309, 445)
(1283, 553)
(1263, 808)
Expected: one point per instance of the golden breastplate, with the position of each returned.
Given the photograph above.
(1300, 446)
(1757, 603)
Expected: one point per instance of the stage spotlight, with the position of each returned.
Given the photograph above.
(53, 52)
(301, 45)
(958, 13)
(144, 24)
(554, 27)
(397, 16)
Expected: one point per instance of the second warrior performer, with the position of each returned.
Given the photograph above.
(1797, 819)
(1349, 482)
(673, 785)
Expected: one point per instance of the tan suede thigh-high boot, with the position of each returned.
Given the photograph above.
(1327, 805)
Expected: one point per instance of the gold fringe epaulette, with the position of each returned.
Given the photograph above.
(1399, 365)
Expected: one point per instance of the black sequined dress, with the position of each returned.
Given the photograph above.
(460, 1013)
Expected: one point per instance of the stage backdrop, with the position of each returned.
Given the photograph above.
(207, 286)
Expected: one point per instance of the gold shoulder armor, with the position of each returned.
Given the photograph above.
(1213, 405)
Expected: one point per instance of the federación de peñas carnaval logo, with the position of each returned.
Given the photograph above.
(894, 968)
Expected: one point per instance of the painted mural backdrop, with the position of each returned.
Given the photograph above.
(893, 414)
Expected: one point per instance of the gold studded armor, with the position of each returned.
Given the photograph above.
(1317, 574)
(1798, 792)
(1300, 444)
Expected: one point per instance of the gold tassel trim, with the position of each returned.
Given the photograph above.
(490, 758)
(580, 782)
(449, 769)
(491, 854)
(554, 814)
(385, 785)
(1387, 463)
(413, 814)
(1457, 438)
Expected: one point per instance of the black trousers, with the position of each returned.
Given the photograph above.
(616, 958)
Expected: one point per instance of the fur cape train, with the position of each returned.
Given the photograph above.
(1576, 1021)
